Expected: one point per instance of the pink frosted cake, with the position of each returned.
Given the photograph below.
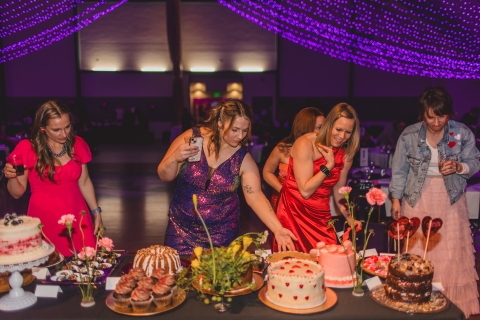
(337, 265)
(295, 283)
(19, 237)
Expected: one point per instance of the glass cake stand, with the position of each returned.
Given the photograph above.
(17, 298)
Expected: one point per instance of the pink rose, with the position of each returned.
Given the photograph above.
(107, 243)
(344, 190)
(67, 219)
(86, 252)
(376, 196)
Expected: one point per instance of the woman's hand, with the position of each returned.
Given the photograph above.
(327, 153)
(356, 223)
(284, 239)
(395, 211)
(185, 151)
(98, 224)
(9, 171)
(449, 167)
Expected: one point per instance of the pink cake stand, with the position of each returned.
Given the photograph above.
(17, 298)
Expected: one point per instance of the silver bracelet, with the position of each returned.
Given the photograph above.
(97, 210)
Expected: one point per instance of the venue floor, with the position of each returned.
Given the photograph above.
(133, 199)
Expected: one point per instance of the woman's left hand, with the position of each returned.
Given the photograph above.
(98, 223)
(449, 167)
(285, 238)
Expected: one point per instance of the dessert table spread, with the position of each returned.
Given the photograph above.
(67, 306)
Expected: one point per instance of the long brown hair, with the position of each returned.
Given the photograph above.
(51, 109)
(325, 135)
(225, 112)
(303, 123)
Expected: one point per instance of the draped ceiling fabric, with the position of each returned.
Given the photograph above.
(432, 38)
(25, 25)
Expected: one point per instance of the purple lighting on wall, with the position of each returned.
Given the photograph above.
(18, 16)
(437, 39)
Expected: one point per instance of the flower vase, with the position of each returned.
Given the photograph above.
(87, 302)
(222, 307)
(358, 292)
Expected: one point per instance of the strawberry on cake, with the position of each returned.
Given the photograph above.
(296, 283)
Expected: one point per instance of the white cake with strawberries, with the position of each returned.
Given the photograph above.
(296, 284)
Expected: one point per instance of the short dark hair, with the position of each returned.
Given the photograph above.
(437, 99)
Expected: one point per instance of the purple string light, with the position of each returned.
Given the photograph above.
(430, 38)
(28, 14)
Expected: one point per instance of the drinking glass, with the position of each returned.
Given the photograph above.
(17, 163)
(442, 158)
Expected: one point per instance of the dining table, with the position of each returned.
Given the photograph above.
(249, 306)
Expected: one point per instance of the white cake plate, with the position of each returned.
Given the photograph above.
(17, 298)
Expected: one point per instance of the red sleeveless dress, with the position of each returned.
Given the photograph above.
(308, 218)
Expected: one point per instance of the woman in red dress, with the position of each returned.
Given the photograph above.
(307, 120)
(319, 162)
(55, 164)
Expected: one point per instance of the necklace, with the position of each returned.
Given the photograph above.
(61, 153)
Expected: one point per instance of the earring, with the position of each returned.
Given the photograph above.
(43, 130)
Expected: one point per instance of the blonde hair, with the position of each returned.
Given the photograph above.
(324, 136)
(225, 112)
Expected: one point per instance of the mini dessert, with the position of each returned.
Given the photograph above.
(409, 279)
(155, 257)
(337, 264)
(122, 293)
(20, 238)
(141, 299)
(296, 283)
(137, 273)
(146, 282)
(377, 265)
(157, 274)
(162, 294)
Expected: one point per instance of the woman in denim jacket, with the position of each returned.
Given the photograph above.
(432, 162)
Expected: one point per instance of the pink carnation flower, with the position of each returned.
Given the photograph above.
(107, 243)
(86, 252)
(344, 190)
(67, 219)
(376, 196)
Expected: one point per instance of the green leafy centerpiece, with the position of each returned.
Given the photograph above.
(220, 270)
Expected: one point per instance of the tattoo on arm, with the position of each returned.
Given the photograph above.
(269, 205)
(247, 189)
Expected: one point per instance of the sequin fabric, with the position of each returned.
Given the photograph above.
(219, 204)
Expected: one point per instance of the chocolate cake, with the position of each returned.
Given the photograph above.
(409, 279)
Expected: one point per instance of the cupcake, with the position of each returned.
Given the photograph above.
(141, 300)
(157, 274)
(137, 273)
(146, 282)
(121, 295)
(129, 280)
(162, 295)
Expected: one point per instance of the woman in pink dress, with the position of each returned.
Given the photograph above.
(307, 120)
(55, 164)
(318, 164)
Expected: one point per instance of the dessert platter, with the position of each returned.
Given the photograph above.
(408, 286)
(149, 287)
(21, 248)
(296, 285)
(72, 271)
(377, 265)
(177, 300)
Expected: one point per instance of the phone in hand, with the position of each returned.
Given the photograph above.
(196, 141)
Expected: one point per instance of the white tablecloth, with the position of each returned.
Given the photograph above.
(472, 194)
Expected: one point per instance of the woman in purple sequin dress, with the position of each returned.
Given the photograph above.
(224, 165)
